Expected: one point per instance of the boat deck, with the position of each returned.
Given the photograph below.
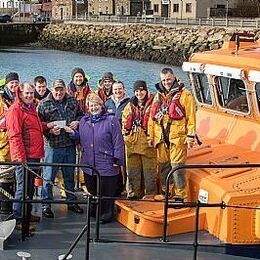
(54, 236)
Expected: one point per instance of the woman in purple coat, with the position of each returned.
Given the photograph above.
(103, 148)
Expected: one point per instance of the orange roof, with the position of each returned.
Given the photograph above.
(248, 57)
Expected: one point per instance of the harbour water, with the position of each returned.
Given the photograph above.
(53, 64)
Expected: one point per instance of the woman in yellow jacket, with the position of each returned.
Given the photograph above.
(140, 157)
(171, 129)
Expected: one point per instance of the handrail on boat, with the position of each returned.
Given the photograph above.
(25, 216)
(198, 204)
(97, 199)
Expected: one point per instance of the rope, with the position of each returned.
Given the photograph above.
(6, 171)
(25, 165)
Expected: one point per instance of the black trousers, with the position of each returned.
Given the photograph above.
(109, 188)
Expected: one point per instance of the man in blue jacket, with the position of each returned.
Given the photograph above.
(117, 102)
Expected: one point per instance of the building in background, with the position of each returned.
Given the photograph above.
(63, 9)
(101, 7)
(183, 9)
(122, 7)
(46, 8)
(119, 7)
(9, 6)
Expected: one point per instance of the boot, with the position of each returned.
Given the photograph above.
(180, 194)
(148, 197)
(161, 197)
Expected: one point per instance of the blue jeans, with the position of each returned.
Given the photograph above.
(19, 173)
(58, 155)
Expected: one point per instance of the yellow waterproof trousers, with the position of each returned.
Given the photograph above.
(169, 158)
(136, 166)
(4, 147)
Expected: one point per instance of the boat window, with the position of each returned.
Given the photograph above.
(201, 86)
(257, 91)
(232, 94)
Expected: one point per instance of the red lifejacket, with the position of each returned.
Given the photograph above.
(138, 116)
(176, 110)
(81, 96)
(172, 107)
(103, 95)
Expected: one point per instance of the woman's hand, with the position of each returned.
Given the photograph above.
(74, 125)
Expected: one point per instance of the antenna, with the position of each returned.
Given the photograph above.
(241, 38)
(237, 40)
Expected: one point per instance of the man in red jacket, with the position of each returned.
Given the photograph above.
(25, 133)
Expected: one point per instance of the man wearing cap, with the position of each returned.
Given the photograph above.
(105, 86)
(62, 110)
(8, 91)
(171, 130)
(140, 157)
(79, 87)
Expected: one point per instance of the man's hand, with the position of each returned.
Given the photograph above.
(50, 124)
(68, 130)
(190, 142)
(55, 130)
(74, 125)
(150, 143)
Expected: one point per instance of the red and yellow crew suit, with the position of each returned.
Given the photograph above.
(81, 94)
(103, 94)
(171, 125)
(140, 158)
(4, 144)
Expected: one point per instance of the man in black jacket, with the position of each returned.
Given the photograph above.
(62, 110)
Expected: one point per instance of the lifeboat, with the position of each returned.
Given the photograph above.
(226, 86)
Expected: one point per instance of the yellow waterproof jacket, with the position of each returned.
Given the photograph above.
(4, 144)
(179, 130)
(136, 139)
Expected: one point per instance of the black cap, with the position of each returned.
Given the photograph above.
(108, 76)
(77, 70)
(140, 84)
(11, 76)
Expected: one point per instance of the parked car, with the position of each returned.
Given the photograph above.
(41, 18)
(5, 18)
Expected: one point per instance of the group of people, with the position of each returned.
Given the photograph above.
(132, 141)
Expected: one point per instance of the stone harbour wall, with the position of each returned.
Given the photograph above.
(160, 44)
(12, 34)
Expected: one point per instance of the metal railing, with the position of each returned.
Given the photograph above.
(97, 200)
(25, 201)
(214, 22)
